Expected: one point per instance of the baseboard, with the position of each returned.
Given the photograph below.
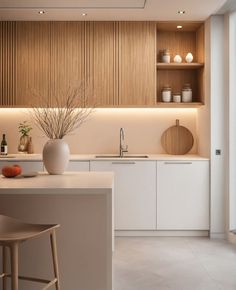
(162, 233)
(217, 235)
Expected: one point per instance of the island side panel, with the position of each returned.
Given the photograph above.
(84, 238)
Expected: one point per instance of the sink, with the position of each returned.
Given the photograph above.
(125, 156)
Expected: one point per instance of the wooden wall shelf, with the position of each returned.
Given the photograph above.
(176, 75)
(119, 61)
(161, 65)
(179, 105)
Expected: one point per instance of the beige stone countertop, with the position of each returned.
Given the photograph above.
(93, 181)
(92, 157)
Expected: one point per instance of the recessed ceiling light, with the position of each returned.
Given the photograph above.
(41, 12)
(181, 11)
(84, 14)
(179, 26)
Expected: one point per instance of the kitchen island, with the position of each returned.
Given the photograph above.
(81, 202)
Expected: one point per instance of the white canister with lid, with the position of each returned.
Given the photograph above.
(166, 94)
(166, 56)
(187, 94)
(177, 98)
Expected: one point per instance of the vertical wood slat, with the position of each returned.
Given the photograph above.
(67, 58)
(200, 51)
(7, 63)
(32, 62)
(118, 58)
(137, 69)
(101, 62)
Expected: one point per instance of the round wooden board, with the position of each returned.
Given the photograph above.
(177, 140)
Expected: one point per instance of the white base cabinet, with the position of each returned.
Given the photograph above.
(27, 166)
(75, 165)
(151, 195)
(134, 193)
(182, 195)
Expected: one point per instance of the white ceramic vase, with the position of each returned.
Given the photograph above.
(56, 155)
(177, 59)
(189, 57)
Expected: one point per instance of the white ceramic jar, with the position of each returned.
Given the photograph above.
(166, 56)
(187, 94)
(166, 94)
(177, 98)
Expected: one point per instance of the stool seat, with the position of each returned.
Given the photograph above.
(12, 233)
(14, 230)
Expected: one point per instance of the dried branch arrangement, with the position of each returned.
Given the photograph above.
(64, 115)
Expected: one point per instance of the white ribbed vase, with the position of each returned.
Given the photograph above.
(56, 155)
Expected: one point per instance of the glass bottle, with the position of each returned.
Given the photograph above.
(4, 145)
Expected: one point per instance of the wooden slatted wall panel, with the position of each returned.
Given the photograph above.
(137, 63)
(68, 61)
(102, 62)
(200, 40)
(33, 62)
(7, 63)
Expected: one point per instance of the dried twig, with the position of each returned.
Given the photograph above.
(64, 114)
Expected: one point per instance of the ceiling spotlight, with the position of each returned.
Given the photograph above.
(84, 14)
(181, 12)
(179, 26)
(41, 12)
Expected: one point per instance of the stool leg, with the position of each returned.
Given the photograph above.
(4, 267)
(54, 257)
(14, 266)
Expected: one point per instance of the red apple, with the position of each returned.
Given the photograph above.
(11, 171)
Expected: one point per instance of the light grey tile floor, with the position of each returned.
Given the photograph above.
(167, 263)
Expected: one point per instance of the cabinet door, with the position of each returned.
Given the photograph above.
(183, 195)
(102, 62)
(67, 58)
(32, 63)
(27, 166)
(137, 63)
(78, 165)
(134, 193)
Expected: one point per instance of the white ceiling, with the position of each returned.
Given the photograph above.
(73, 3)
(109, 9)
(229, 6)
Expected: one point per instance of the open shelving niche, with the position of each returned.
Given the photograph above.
(181, 41)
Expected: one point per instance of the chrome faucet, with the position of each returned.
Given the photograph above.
(123, 147)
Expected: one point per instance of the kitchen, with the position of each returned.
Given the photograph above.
(165, 197)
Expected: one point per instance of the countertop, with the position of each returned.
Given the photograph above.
(93, 181)
(92, 157)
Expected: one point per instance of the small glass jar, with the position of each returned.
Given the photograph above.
(166, 94)
(166, 56)
(187, 94)
(177, 98)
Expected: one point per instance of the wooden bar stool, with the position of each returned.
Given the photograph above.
(12, 233)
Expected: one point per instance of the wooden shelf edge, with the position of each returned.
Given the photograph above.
(193, 65)
(179, 105)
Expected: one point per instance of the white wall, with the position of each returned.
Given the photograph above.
(203, 116)
(232, 120)
(215, 109)
(100, 134)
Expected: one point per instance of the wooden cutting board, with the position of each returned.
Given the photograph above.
(177, 140)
